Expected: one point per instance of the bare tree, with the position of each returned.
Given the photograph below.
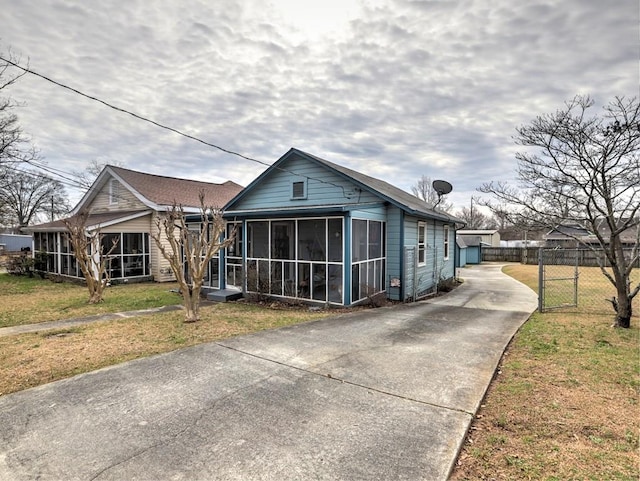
(474, 219)
(15, 146)
(88, 176)
(25, 195)
(90, 252)
(585, 169)
(423, 189)
(189, 251)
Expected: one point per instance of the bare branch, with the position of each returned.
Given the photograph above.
(189, 247)
(584, 169)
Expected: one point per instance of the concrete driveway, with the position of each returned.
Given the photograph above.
(379, 394)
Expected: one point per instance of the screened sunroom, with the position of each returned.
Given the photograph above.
(305, 258)
(129, 257)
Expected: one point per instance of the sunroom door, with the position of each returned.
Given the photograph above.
(233, 264)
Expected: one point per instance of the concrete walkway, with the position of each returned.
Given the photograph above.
(67, 323)
(379, 394)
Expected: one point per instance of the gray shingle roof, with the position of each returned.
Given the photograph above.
(166, 191)
(399, 196)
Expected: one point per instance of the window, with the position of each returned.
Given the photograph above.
(298, 189)
(129, 255)
(113, 191)
(299, 258)
(446, 242)
(359, 240)
(422, 237)
(234, 255)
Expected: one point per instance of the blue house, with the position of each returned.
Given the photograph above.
(308, 229)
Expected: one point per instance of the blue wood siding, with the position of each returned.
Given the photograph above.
(435, 267)
(474, 255)
(394, 251)
(462, 256)
(323, 188)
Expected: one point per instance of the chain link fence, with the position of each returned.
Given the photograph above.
(565, 282)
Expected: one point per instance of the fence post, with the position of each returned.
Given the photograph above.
(540, 279)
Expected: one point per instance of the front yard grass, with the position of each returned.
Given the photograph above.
(25, 300)
(565, 402)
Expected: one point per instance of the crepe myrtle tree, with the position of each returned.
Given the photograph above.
(582, 167)
(189, 251)
(90, 253)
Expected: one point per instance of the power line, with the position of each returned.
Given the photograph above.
(133, 114)
(163, 126)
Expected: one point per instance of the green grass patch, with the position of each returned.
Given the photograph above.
(27, 300)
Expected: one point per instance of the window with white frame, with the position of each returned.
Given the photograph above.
(446, 242)
(129, 257)
(422, 243)
(299, 189)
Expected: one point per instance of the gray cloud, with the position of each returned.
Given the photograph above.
(409, 88)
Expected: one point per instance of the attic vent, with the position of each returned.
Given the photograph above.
(298, 190)
(113, 191)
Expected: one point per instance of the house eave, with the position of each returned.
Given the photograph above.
(299, 210)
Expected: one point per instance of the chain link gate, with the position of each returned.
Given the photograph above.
(558, 275)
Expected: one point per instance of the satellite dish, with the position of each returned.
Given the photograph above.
(442, 187)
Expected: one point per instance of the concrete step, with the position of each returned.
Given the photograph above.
(224, 295)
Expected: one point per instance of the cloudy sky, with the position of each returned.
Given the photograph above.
(393, 88)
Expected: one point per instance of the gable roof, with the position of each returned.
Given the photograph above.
(405, 201)
(94, 221)
(478, 231)
(582, 234)
(160, 192)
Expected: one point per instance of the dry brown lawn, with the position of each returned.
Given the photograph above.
(29, 360)
(565, 403)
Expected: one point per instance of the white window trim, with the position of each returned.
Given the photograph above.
(447, 247)
(304, 189)
(422, 245)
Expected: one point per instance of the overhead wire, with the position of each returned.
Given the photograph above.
(166, 127)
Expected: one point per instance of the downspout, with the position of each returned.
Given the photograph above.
(222, 261)
(347, 259)
(401, 255)
(244, 256)
(436, 274)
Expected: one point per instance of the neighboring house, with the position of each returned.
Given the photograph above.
(576, 236)
(568, 236)
(312, 230)
(14, 242)
(124, 205)
(490, 237)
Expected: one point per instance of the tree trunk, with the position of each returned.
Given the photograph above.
(190, 308)
(95, 298)
(624, 310)
(95, 290)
